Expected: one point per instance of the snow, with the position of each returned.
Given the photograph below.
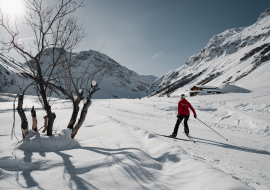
(117, 149)
(94, 83)
(80, 90)
(226, 88)
(34, 142)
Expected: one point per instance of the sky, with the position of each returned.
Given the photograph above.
(152, 37)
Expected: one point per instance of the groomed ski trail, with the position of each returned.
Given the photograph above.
(240, 157)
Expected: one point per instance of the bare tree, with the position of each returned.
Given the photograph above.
(56, 32)
(81, 84)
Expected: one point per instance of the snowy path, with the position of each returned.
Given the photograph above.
(245, 156)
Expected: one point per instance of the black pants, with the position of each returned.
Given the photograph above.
(180, 119)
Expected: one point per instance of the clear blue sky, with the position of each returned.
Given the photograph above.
(153, 37)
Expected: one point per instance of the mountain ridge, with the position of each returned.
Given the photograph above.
(227, 58)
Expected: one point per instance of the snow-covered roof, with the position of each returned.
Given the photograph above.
(202, 86)
(206, 90)
(212, 90)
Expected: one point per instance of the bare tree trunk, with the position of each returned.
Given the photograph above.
(47, 107)
(86, 105)
(24, 124)
(34, 117)
(75, 112)
(45, 124)
(51, 118)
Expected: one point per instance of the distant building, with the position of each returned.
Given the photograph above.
(201, 88)
(116, 97)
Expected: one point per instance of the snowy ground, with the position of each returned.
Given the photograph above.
(116, 147)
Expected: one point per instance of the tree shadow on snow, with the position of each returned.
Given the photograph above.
(26, 173)
(131, 164)
(72, 171)
(240, 148)
(134, 163)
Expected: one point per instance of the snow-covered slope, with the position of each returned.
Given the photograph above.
(15, 77)
(12, 75)
(232, 56)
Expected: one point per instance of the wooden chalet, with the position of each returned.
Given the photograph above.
(201, 88)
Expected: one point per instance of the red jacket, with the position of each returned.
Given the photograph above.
(183, 106)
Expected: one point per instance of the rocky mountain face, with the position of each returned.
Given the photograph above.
(229, 57)
(118, 81)
(265, 14)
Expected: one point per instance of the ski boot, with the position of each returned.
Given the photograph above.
(173, 135)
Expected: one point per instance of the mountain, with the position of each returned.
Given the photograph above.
(238, 56)
(118, 82)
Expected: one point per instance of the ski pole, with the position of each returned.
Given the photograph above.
(213, 130)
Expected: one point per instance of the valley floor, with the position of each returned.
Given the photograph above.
(116, 147)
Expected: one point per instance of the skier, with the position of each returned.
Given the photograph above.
(183, 113)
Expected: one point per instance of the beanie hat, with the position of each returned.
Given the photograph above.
(183, 96)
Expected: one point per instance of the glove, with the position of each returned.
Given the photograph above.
(195, 116)
(178, 116)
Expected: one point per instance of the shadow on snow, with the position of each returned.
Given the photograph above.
(134, 163)
(240, 148)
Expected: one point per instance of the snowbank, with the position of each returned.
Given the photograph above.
(36, 142)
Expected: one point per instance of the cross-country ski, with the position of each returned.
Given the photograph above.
(172, 137)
